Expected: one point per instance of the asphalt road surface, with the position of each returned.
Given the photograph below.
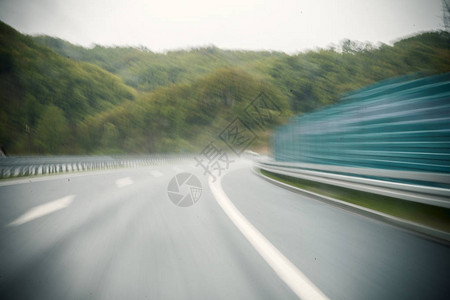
(117, 235)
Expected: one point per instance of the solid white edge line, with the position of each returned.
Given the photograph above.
(286, 270)
(42, 210)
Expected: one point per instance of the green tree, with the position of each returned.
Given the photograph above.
(110, 138)
(52, 131)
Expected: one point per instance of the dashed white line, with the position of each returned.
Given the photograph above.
(287, 271)
(176, 169)
(124, 182)
(42, 210)
(156, 173)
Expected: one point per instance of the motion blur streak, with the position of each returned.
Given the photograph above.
(396, 124)
(133, 242)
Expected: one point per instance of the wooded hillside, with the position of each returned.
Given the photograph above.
(61, 98)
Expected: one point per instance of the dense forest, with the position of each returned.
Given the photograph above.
(62, 98)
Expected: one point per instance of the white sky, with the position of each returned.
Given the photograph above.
(284, 25)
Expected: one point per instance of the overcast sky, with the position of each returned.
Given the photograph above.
(285, 25)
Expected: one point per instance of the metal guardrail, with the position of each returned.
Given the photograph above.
(357, 179)
(391, 138)
(41, 165)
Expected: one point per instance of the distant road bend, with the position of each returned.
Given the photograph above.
(115, 234)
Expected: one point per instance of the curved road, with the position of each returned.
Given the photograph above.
(116, 235)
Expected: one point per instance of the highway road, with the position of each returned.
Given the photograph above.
(115, 234)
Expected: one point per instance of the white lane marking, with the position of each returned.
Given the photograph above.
(42, 210)
(156, 173)
(176, 169)
(287, 271)
(123, 182)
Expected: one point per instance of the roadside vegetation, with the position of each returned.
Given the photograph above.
(428, 215)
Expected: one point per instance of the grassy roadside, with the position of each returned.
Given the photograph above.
(428, 215)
